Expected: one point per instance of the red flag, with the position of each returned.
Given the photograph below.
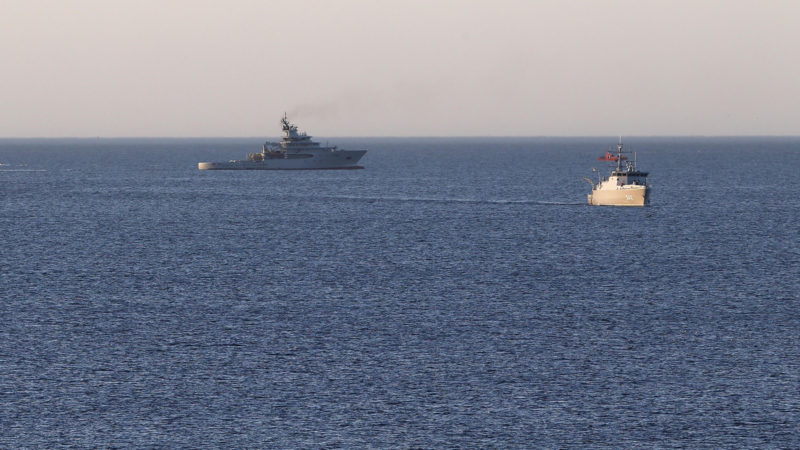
(610, 157)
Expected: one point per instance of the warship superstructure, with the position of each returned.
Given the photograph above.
(626, 186)
(296, 151)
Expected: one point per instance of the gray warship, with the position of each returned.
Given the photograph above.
(296, 151)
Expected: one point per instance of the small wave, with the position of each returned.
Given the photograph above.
(23, 170)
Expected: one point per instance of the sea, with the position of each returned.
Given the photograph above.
(456, 293)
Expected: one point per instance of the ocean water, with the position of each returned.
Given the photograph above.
(455, 293)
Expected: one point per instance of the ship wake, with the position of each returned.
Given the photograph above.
(412, 199)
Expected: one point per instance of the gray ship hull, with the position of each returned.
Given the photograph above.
(310, 160)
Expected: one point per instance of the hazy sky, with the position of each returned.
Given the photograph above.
(399, 68)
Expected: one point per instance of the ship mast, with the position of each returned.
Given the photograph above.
(619, 155)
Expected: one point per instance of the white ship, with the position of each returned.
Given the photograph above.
(296, 151)
(626, 186)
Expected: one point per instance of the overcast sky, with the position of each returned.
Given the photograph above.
(115, 68)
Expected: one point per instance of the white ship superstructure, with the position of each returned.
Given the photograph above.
(626, 186)
(296, 151)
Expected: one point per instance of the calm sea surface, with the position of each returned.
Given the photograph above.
(455, 293)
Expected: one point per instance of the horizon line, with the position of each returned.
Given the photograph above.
(488, 136)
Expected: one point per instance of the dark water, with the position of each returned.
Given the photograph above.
(456, 293)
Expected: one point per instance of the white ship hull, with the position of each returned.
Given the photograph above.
(311, 160)
(623, 196)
